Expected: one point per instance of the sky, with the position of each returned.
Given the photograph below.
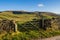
(31, 5)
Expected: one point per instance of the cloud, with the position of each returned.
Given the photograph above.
(40, 5)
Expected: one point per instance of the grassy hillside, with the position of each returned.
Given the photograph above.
(29, 26)
(17, 17)
(24, 16)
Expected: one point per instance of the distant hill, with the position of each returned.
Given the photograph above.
(23, 16)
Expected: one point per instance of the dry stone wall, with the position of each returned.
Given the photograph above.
(8, 26)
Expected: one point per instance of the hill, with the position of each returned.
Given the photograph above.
(24, 16)
(30, 25)
(17, 14)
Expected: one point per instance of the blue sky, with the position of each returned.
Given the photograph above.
(31, 5)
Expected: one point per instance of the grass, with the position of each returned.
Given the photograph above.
(17, 17)
(30, 35)
(26, 35)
